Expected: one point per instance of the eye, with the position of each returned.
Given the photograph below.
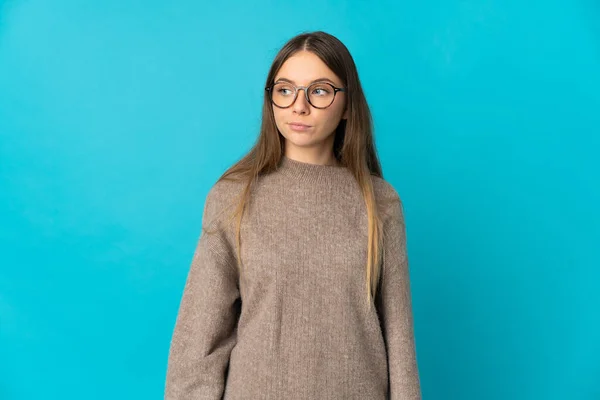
(321, 91)
(283, 89)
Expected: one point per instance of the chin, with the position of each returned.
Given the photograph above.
(302, 143)
(303, 137)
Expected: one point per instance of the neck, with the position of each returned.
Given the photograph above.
(324, 159)
(301, 171)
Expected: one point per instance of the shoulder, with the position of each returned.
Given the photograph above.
(384, 189)
(224, 191)
(388, 199)
(221, 198)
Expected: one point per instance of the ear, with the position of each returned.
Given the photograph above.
(345, 116)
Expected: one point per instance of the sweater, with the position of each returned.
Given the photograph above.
(296, 323)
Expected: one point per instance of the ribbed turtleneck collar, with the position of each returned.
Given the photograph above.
(303, 171)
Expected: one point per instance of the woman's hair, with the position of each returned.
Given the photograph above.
(353, 144)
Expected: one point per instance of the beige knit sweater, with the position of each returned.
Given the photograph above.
(297, 324)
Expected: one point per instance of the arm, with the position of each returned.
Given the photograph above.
(205, 329)
(395, 309)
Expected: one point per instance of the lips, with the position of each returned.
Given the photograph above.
(299, 127)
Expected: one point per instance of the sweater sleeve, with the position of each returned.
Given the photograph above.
(395, 309)
(206, 325)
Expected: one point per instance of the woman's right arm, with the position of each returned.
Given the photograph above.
(206, 325)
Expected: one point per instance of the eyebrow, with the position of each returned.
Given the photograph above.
(316, 80)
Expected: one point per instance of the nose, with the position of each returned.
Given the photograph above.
(300, 105)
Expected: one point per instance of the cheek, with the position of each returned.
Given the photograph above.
(277, 114)
(331, 119)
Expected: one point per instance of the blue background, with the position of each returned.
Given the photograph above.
(117, 116)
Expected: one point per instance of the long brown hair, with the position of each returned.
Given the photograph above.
(353, 144)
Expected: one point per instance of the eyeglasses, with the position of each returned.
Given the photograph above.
(318, 94)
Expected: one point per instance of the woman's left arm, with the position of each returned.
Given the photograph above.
(395, 309)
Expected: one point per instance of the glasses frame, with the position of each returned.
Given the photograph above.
(269, 89)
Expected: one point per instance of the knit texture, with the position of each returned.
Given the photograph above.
(296, 324)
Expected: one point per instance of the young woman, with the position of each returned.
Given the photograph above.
(299, 285)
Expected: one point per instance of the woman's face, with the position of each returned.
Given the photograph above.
(302, 69)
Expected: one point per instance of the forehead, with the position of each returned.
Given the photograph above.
(304, 67)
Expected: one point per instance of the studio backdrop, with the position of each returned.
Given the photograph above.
(116, 117)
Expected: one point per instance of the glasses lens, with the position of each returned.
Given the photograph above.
(282, 94)
(321, 94)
